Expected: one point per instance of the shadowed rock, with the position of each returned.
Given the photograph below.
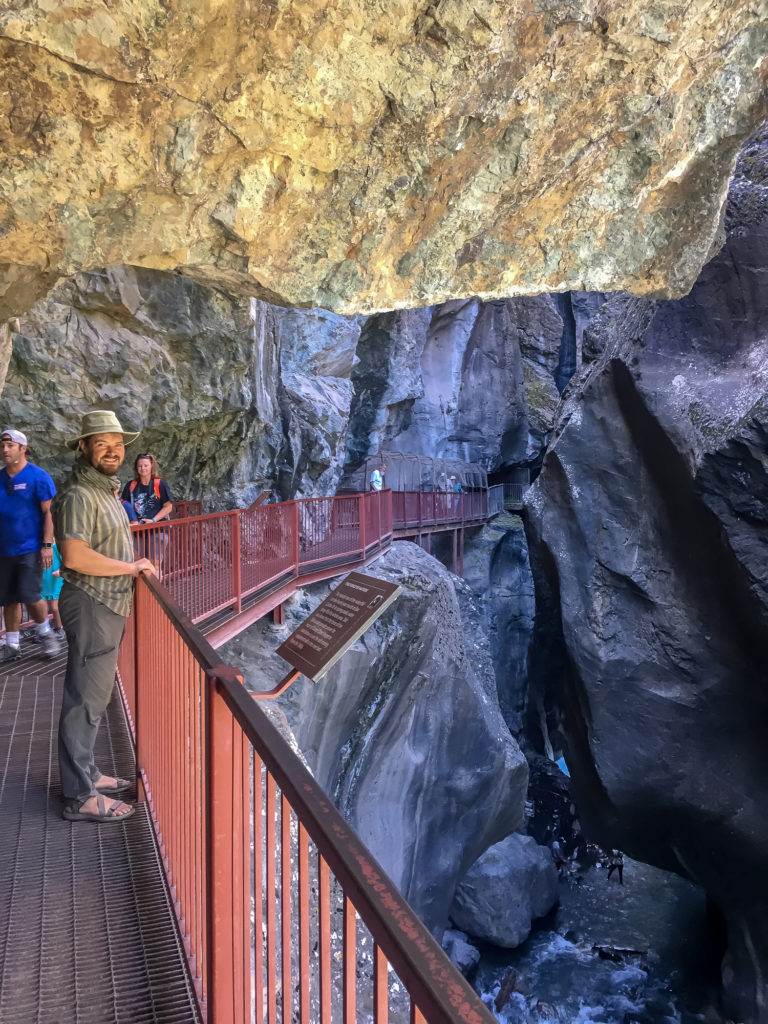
(649, 522)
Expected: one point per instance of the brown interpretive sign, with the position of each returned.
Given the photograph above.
(333, 626)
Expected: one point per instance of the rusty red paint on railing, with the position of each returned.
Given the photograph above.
(235, 811)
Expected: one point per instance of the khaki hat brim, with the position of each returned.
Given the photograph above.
(128, 437)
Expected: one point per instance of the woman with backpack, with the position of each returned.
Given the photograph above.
(147, 493)
(150, 497)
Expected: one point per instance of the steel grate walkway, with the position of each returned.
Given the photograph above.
(87, 934)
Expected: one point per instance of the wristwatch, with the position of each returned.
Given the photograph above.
(46, 545)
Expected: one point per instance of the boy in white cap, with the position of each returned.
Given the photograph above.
(26, 543)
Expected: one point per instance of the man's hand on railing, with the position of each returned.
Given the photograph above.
(143, 565)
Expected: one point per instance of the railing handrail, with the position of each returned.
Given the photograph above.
(442, 995)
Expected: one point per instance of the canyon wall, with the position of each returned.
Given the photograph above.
(236, 396)
(648, 525)
(363, 157)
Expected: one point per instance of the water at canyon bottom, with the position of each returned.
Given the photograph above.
(611, 954)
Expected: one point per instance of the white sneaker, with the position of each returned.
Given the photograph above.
(51, 645)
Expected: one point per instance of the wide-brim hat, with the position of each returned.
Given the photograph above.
(101, 421)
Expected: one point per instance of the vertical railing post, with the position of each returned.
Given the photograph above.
(362, 525)
(379, 500)
(295, 538)
(237, 575)
(218, 863)
(139, 595)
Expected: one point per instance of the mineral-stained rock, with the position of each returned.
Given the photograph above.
(514, 882)
(403, 734)
(365, 157)
(649, 521)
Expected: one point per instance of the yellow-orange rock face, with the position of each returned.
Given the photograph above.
(362, 154)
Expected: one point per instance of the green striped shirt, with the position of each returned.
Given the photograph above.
(86, 509)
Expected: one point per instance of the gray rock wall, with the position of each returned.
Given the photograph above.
(498, 582)
(236, 396)
(466, 380)
(233, 395)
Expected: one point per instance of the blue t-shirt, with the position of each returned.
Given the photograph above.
(21, 519)
(132, 517)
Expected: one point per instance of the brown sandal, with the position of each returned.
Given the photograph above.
(72, 811)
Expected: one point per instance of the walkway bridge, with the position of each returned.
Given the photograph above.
(236, 893)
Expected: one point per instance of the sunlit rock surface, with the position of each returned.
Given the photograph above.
(361, 156)
(405, 732)
(649, 524)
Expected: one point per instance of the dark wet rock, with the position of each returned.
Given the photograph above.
(463, 954)
(507, 987)
(512, 884)
(551, 812)
(649, 528)
(576, 310)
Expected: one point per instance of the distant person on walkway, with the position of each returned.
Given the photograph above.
(616, 863)
(457, 490)
(98, 568)
(151, 500)
(149, 496)
(377, 477)
(26, 543)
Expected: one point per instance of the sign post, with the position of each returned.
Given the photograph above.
(331, 629)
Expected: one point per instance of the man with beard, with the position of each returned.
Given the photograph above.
(96, 547)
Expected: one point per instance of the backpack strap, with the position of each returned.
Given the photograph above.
(156, 483)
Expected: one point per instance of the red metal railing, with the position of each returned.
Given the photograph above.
(415, 509)
(214, 562)
(182, 509)
(284, 913)
(495, 499)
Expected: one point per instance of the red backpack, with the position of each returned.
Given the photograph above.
(155, 481)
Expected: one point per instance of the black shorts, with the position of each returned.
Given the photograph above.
(21, 579)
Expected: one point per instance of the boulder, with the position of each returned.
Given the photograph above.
(404, 732)
(507, 888)
(464, 955)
